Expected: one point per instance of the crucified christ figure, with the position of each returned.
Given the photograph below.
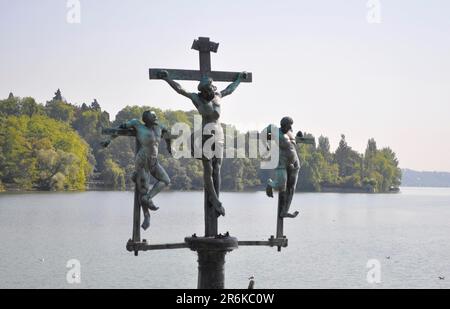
(207, 102)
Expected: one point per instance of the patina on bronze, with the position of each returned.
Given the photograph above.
(211, 248)
(148, 137)
(204, 46)
(207, 102)
(286, 173)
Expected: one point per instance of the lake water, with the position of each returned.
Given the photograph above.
(330, 242)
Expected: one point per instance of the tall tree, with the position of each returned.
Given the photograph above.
(347, 159)
(58, 96)
(324, 148)
(95, 105)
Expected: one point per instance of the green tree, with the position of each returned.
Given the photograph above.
(22, 145)
(135, 112)
(347, 159)
(310, 174)
(113, 175)
(10, 106)
(53, 167)
(95, 105)
(29, 107)
(386, 166)
(46, 153)
(324, 148)
(177, 174)
(58, 96)
(15, 106)
(233, 174)
(59, 109)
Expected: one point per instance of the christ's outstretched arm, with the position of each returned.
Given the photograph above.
(232, 87)
(164, 75)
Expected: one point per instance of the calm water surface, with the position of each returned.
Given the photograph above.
(330, 242)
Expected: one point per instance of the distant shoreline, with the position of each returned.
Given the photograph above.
(426, 179)
(324, 190)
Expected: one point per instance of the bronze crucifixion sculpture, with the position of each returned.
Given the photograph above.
(207, 102)
(213, 247)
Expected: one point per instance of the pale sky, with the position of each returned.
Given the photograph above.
(319, 61)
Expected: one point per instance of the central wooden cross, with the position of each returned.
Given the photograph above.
(204, 47)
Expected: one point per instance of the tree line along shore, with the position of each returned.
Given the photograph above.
(56, 146)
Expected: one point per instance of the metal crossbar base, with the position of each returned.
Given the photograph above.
(145, 246)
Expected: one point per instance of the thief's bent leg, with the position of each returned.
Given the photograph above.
(142, 183)
(292, 174)
(279, 183)
(162, 178)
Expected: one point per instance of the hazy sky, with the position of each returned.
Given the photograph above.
(319, 61)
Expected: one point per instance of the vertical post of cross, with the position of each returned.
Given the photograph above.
(136, 211)
(280, 221)
(136, 233)
(212, 248)
(204, 46)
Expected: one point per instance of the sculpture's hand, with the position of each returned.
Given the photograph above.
(242, 75)
(163, 74)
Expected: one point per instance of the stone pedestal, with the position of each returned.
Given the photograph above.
(211, 259)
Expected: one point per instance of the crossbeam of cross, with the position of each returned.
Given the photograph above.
(204, 47)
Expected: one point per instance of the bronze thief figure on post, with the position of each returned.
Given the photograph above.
(286, 173)
(148, 137)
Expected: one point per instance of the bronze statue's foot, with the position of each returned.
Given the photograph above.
(289, 215)
(219, 208)
(146, 224)
(269, 190)
(152, 206)
(217, 205)
(149, 203)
